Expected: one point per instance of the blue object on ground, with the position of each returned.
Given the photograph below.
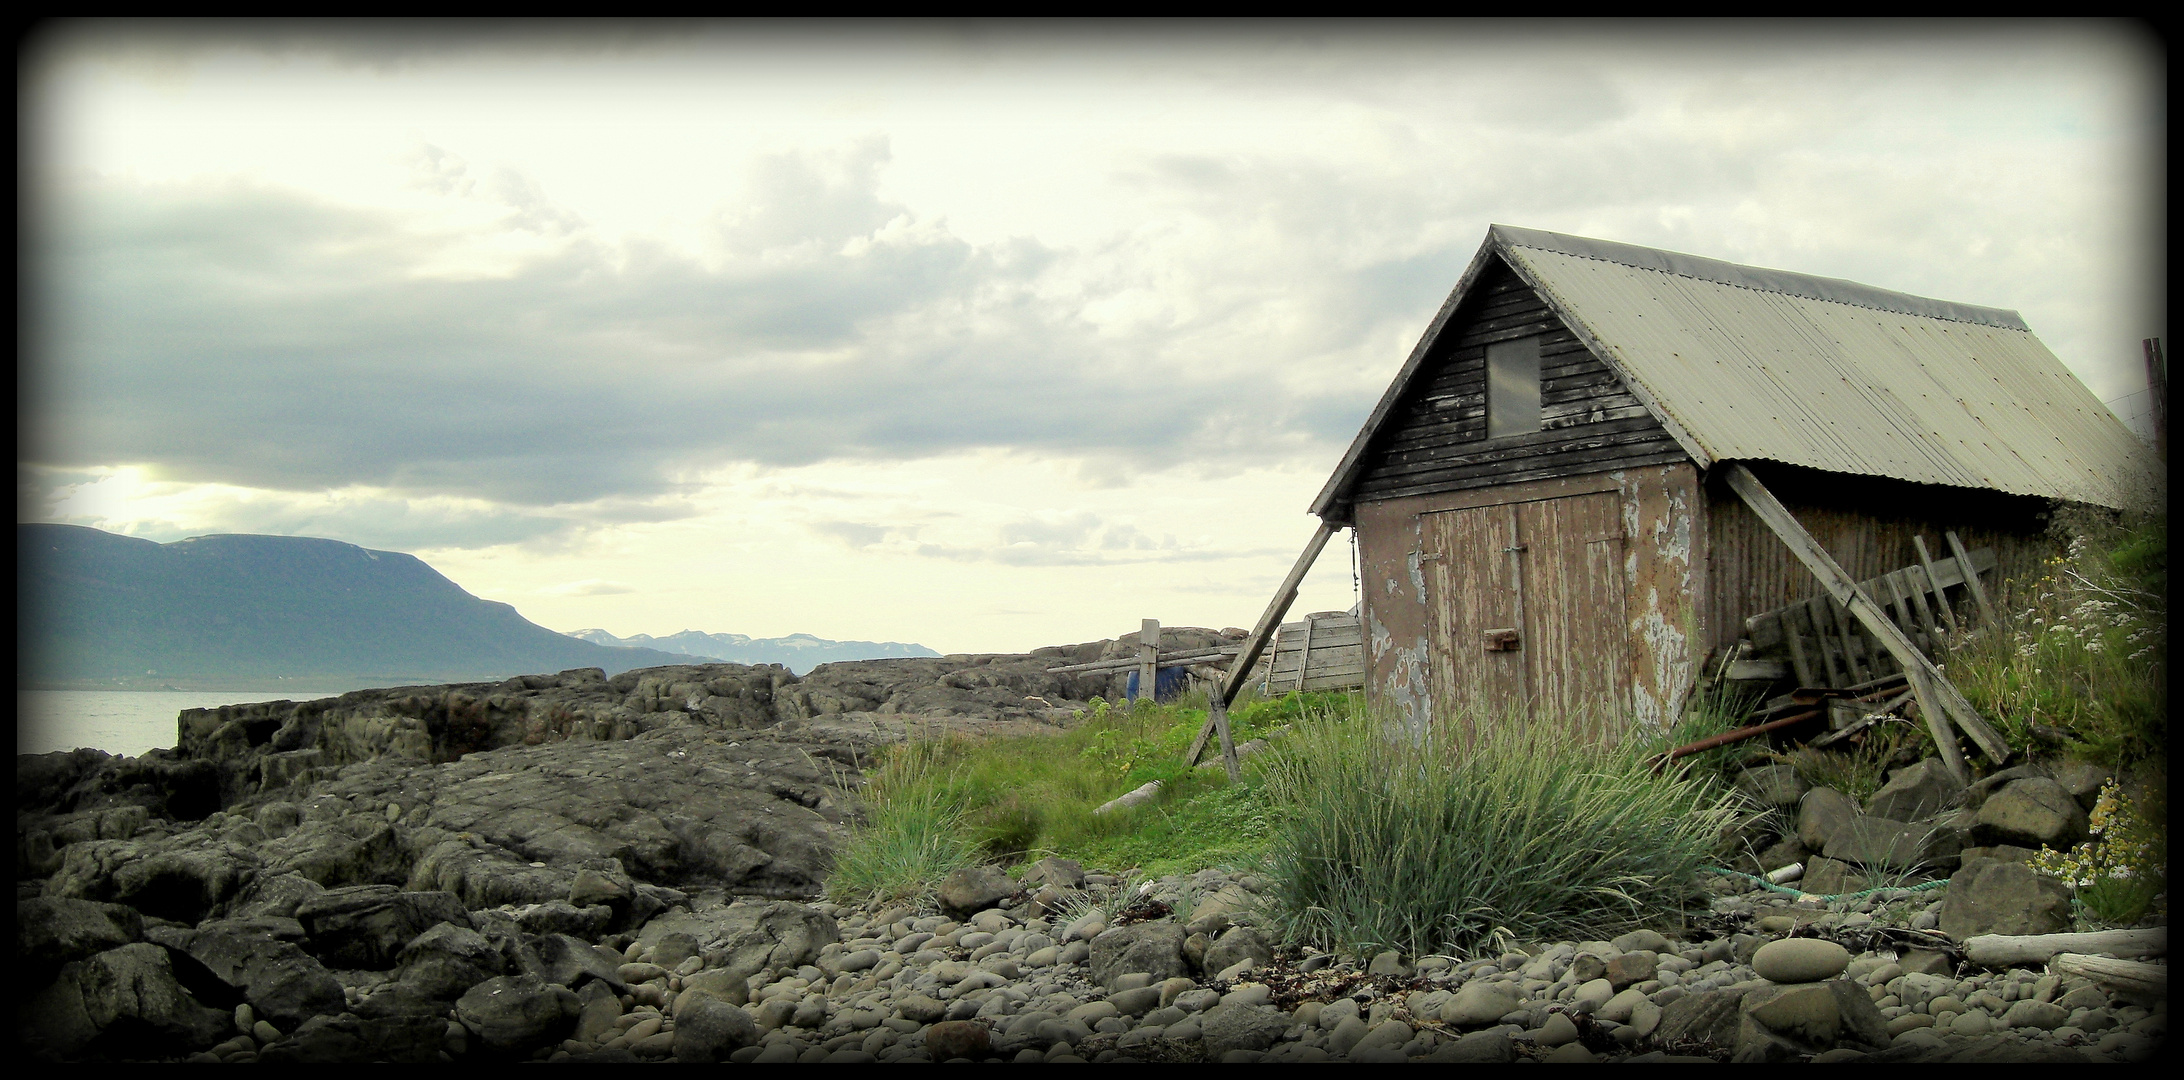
(1167, 684)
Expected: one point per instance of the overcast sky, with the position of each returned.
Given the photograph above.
(974, 336)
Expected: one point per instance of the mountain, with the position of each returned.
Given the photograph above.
(94, 608)
(798, 652)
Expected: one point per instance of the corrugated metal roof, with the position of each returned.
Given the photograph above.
(1743, 363)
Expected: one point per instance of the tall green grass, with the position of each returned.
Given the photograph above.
(1479, 831)
(913, 835)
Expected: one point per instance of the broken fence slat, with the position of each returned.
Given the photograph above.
(1941, 599)
(1934, 688)
(1971, 578)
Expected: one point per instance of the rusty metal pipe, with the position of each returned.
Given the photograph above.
(1727, 737)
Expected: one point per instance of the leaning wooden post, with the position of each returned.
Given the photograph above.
(1937, 688)
(1256, 644)
(1148, 648)
(1217, 714)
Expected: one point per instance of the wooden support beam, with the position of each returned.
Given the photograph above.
(1217, 714)
(1269, 621)
(1933, 688)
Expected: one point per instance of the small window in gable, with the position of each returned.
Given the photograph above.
(1512, 388)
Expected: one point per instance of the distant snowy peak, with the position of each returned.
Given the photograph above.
(798, 652)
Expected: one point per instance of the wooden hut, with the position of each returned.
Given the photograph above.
(1543, 497)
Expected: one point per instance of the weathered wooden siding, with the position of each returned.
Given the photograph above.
(1326, 647)
(1613, 585)
(1436, 440)
(1865, 523)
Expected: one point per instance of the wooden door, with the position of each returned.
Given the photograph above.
(1527, 603)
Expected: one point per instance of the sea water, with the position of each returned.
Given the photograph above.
(125, 722)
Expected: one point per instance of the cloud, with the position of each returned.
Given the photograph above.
(589, 587)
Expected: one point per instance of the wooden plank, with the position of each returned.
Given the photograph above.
(1815, 612)
(1765, 632)
(1798, 663)
(1971, 579)
(1917, 668)
(1654, 452)
(1304, 655)
(1904, 619)
(1918, 600)
(1256, 643)
(1941, 599)
(1846, 632)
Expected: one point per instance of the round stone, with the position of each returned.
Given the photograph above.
(1800, 960)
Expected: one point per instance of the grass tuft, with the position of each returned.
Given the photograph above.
(1476, 833)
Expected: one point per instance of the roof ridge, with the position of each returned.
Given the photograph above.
(1758, 279)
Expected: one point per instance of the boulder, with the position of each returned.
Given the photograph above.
(570, 962)
(347, 1039)
(447, 960)
(974, 889)
(2033, 812)
(1709, 1016)
(1884, 844)
(515, 1014)
(1831, 877)
(1914, 792)
(1240, 943)
(124, 1002)
(952, 1039)
(366, 926)
(1989, 896)
(1800, 960)
(1226, 1028)
(53, 930)
(1820, 814)
(1772, 785)
(1480, 1002)
(1058, 872)
(353, 849)
(260, 960)
(1155, 948)
(709, 1030)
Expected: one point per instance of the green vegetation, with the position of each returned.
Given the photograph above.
(2082, 651)
(1016, 799)
(2081, 658)
(2118, 873)
(1471, 835)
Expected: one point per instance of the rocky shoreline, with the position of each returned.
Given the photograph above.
(579, 868)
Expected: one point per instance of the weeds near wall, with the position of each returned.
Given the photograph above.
(2082, 652)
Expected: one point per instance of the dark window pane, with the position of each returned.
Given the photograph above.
(1512, 388)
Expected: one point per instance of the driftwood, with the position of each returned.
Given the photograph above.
(2005, 950)
(2136, 977)
(1142, 793)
